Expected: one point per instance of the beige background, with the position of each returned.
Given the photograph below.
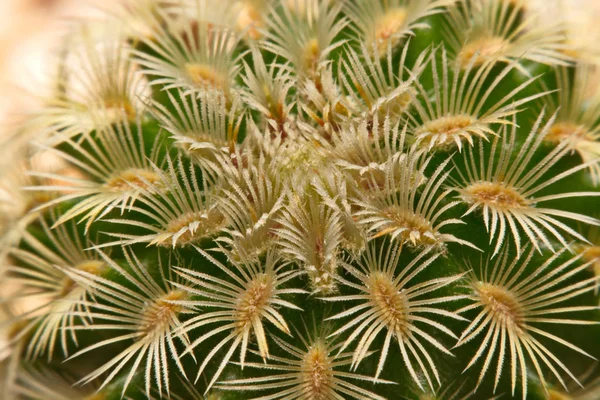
(29, 29)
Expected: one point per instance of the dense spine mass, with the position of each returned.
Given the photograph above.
(307, 199)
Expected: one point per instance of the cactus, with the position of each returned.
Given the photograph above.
(307, 199)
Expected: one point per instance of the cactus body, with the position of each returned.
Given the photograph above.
(308, 199)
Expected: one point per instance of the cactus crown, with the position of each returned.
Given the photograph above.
(307, 199)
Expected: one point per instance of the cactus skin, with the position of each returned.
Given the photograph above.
(307, 199)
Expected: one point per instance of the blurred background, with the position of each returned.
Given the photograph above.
(31, 29)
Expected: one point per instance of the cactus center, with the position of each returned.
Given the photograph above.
(388, 27)
(390, 302)
(305, 156)
(565, 130)
(159, 315)
(317, 373)
(205, 76)
(495, 195)
(408, 226)
(480, 50)
(445, 131)
(253, 301)
(502, 304)
(134, 178)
